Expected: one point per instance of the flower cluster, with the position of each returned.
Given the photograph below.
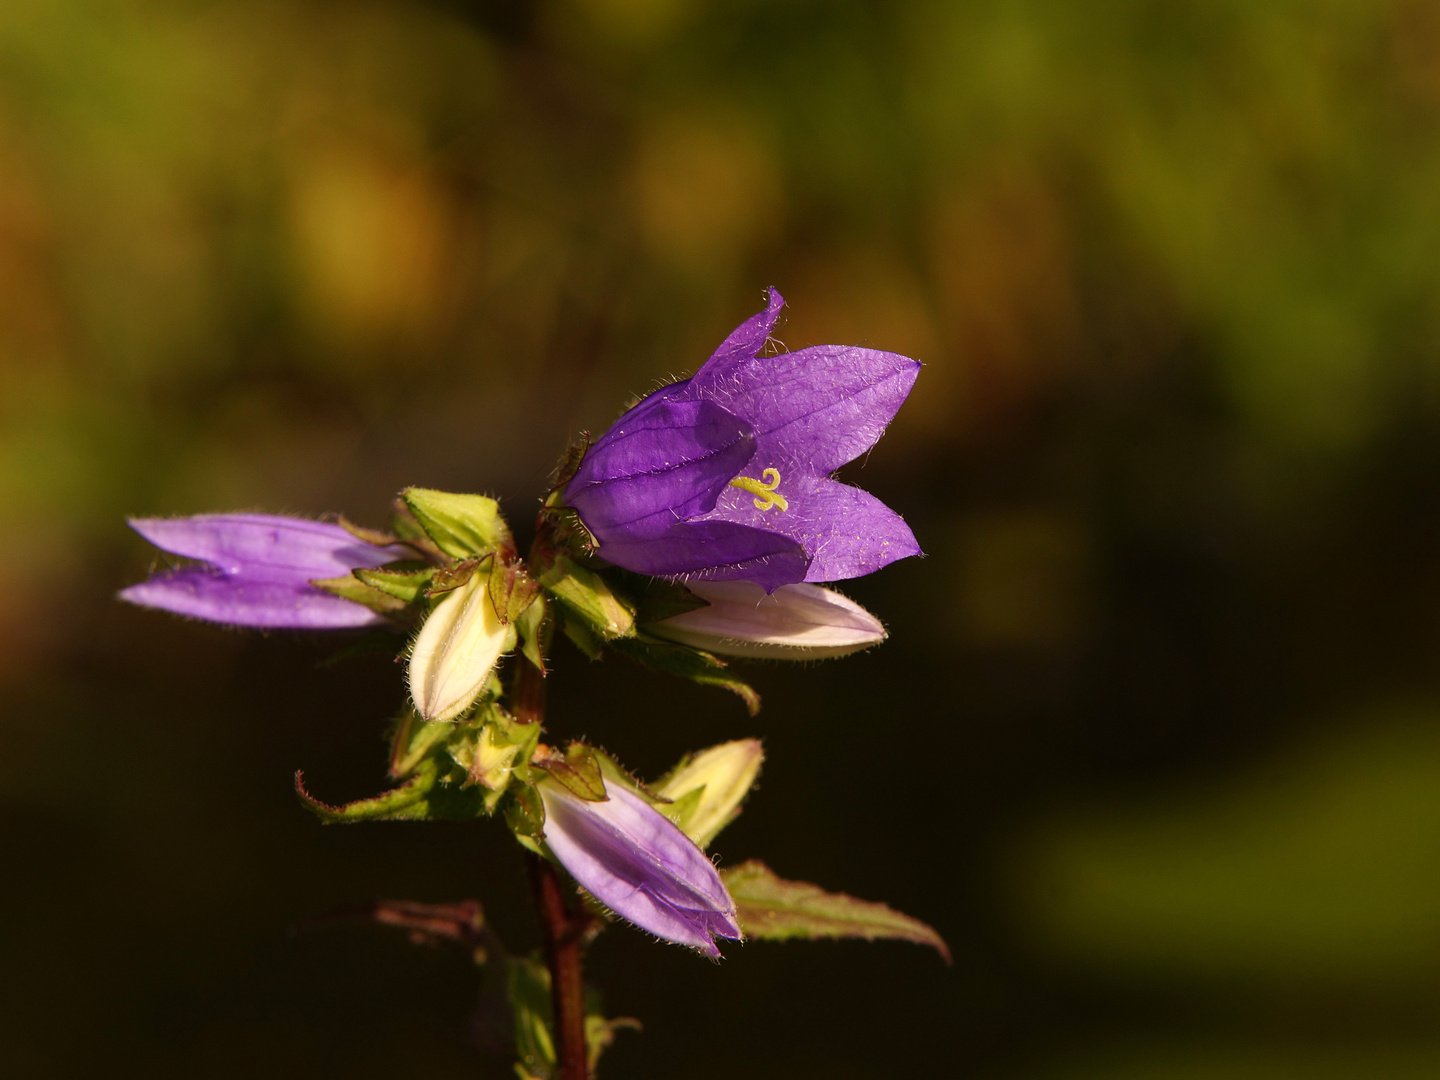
(717, 488)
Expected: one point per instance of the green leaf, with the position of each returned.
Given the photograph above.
(350, 588)
(692, 664)
(582, 637)
(586, 595)
(406, 582)
(460, 525)
(426, 796)
(534, 632)
(774, 909)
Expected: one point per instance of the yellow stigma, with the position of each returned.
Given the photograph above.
(764, 490)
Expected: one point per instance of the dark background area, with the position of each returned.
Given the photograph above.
(1155, 742)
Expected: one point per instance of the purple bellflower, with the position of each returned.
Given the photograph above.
(637, 863)
(257, 570)
(726, 475)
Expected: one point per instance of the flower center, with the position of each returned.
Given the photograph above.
(763, 489)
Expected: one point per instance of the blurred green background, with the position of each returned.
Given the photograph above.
(1156, 740)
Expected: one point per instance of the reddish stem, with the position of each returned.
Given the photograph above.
(564, 931)
(563, 924)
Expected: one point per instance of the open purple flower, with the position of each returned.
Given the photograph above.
(637, 863)
(257, 570)
(726, 475)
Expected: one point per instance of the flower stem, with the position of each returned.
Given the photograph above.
(563, 924)
(563, 934)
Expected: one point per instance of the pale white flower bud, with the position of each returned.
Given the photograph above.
(455, 651)
(795, 622)
(706, 790)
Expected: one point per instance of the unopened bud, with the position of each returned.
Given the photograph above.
(455, 651)
(795, 622)
(706, 790)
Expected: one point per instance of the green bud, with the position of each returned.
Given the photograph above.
(455, 651)
(706, 790)
(586, 595)
(503, 745)
(460, 525)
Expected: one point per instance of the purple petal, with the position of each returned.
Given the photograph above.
(814, 409)
(714, 550)
(661, 463)
(266, 547)
(221, 598)
(746, 340)
(637, 863)
(846, 532)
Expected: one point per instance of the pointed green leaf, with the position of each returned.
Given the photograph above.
(534, 632)
(587, 596)
(406, 581)
(349, 588)
(692, 664)
(460, 525)
(774, 909)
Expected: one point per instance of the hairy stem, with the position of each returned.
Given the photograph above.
(563, 944)
(562, 923)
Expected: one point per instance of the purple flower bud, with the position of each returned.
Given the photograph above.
(633, 860)
(726, 475)
(258, 569)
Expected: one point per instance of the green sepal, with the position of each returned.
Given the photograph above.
(656, 598)
(569, 463)
(680, 810)
(493, 749)
(693, 664)
(582, 637)
(773, 909)
(512, 590)
(525, 813)
(428, 795)
(405, 526)
(350, 588)
(374, 537)
(413, 739)
(534, 632)
(578, 772)
(405, 581)
(460, 525)
(449, 578)
(588, 597)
